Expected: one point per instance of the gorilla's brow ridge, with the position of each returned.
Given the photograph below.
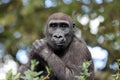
(58, 21)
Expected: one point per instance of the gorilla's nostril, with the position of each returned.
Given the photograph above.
(57, 36)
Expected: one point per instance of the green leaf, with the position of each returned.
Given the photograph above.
(9, 75)
(16, 77)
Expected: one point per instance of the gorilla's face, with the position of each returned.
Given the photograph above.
(60, 34)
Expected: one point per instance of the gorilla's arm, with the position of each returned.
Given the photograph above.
(59, 68)
(68, 69)
(65, 68)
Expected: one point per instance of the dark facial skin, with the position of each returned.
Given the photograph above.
(59, 34)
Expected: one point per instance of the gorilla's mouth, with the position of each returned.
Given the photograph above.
(59, 43)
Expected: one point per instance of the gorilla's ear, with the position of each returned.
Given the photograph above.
(74, 27)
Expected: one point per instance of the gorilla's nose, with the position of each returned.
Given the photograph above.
(57, 36)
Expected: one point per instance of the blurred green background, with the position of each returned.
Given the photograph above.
(22, 21)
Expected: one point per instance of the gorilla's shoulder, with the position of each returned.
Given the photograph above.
(79, 41)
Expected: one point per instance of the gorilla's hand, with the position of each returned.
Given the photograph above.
(40, 47)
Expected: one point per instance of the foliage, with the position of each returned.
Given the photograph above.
(117, 75)
(29, 74)
(46, 77)
(12, 77)
(32, 75)
(85, 74)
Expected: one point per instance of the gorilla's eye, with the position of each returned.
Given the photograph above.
(53, 25)
(64, 25)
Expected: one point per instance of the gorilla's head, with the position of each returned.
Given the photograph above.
(59, 31)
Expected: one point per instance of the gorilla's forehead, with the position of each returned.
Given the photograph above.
(59, 21)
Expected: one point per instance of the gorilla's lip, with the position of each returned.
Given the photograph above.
(59, 43)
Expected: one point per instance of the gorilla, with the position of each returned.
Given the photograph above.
(60, 50)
